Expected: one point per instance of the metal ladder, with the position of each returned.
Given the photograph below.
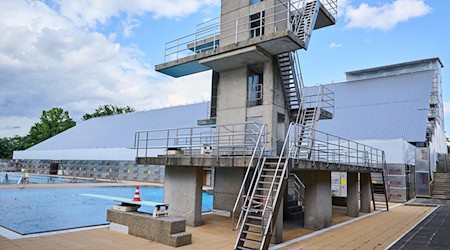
(304, 20)
(380, 188)
(256, 230)
(291, 77)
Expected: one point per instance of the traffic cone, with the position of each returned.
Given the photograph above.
(137, 196)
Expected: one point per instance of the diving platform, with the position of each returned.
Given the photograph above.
(245, 161)
(225, 43)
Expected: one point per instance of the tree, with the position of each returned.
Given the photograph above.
(9, 145)
(51, 123)
(106, 110)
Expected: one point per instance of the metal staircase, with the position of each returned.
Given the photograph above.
(304, 19)
(380, 188)
(291, 77)
(264, 204)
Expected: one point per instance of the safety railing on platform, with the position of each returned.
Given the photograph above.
(215, 32)
(325, 101)
(226, 140)
(329, 148)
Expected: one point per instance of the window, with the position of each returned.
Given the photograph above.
(257, 24)
(255, 1)
(254, 86)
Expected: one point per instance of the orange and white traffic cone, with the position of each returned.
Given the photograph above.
(137, 196)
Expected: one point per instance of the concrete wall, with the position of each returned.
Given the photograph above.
(121, 170)
(227, 182)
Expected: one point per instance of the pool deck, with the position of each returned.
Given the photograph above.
(374, 231)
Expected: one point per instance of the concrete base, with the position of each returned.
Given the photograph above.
(227, 182)
(169, 230)
(365, 192)
(277, 236)
(318, 210)
(352, 195)
(183, 193)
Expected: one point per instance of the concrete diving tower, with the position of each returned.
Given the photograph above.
(247, 35)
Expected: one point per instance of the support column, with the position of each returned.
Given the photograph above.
(183, 193)
(277, 236)
(318, 209)
(227, 182)
(366, 193)
(352, 194)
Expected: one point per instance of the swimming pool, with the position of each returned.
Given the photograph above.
(13, 178)
(35, 210)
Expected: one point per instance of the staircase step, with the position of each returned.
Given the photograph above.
(251, 240)
(254, 217)
(245, 248)
(252, 232)
(253, 225)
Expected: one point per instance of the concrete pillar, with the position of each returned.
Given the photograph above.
(366, 194)
(227, 182)
(318, 209)
(277, 236)
(352, 194)
(183, 193)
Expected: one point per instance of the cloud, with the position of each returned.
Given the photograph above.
(446, 108)
(334, 45)
(16, 125)
(129, 24)
(47, 61)
(93, 12)
(384, 17)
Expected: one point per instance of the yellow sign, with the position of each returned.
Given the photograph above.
(374, 182)
(128, 171)
(343, 181)
(148, 171)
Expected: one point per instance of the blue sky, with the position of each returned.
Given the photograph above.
(85, 53)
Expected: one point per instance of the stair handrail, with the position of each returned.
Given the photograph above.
(284, 175)
(261, 140)
(299, 184)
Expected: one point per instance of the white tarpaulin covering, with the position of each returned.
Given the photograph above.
(397, 151)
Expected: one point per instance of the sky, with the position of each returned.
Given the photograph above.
(80, 54)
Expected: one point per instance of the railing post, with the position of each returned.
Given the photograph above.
(146, 145)
(178, 45)
(167, 145)
(137, 143)
(288, 16)
(236, 34)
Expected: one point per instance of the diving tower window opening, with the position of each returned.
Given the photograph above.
(257, 24)
(218, 32)
(255, 86)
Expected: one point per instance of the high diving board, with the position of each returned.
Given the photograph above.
(160, 209)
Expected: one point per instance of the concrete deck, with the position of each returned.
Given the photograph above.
(243, 162)
(376, 231)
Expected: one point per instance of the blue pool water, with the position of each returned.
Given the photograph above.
(13, 178)
(33, 210)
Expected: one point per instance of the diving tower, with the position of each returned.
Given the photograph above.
(263, 124)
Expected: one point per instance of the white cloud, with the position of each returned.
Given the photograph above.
(14, 125)
(447, 108)
(93, 12)
(334, 45)
(384, 17)
(129, 24)
(46, 61)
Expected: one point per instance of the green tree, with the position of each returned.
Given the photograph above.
(10, 144)
(106, 110)
(51, 123)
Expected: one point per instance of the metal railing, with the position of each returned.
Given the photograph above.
(298, 187)
(226, 140)
(321, 97)
(245, 200)
(329, 148)
(215, 32)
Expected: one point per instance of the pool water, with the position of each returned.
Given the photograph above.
(13, 178)
(34, 210)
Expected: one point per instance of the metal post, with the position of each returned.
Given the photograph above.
(167, 145)
(178, 44)
(236, 34)
(191, 143)
(137, 143)
(146, 145)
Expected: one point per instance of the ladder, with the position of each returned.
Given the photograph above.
(264, 204)
(304, 19)
(291, 78)
(380, 189)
